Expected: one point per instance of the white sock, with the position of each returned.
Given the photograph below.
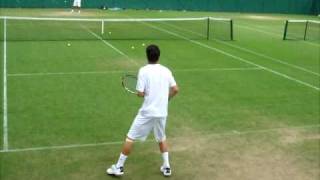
(165, 157)
(121, 161)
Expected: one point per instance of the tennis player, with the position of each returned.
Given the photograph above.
(156, 85)
(76, 5)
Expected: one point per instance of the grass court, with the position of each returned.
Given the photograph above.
(248, 108)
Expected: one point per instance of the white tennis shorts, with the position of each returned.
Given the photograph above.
(77, 3)
(142, 126)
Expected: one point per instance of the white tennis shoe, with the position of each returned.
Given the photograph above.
(113, 170)
(166, 171)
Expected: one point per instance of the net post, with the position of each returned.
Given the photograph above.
(305, 31)
(285, 30)
(102, 27)
(231, 29)
(208, 28)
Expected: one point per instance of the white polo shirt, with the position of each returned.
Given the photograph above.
(155, 81)
(77, 3)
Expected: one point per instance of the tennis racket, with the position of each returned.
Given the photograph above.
(129, 83)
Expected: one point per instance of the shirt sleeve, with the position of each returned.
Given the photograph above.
(172, 82)
(141, 82)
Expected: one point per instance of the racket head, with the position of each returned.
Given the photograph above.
(129, 83)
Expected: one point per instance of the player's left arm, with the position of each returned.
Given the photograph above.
(174, 89)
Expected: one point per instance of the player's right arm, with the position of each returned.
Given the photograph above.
(140, 94)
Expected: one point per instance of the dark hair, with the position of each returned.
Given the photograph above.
(153, 53)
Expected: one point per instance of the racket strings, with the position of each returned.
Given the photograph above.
(130, 82)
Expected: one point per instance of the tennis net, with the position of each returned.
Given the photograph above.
(60, 29)
(302, 30)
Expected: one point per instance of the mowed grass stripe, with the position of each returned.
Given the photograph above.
(110, 45)
(237, 58)
(268, 57)
(55, 57)
(267, 32)
(251, 51)
(293, 52)
(66, 110)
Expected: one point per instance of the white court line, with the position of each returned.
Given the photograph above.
(119, 72)
(66, 73)
(62, 147)
(5, 97)
(235, 57)
(218, 69)
(110, 45)
(250, 51)
(217, 135)
(107, 19)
